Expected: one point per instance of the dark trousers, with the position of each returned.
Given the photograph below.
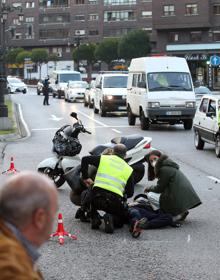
(157, 219)
(46, 99)
(110, 203)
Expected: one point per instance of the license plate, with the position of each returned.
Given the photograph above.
(173, 113)
(122, 108)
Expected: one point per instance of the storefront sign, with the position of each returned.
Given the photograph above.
(193, 57)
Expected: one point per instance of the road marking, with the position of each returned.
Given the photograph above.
(85, 115)
(23, 121)
(214, 179)
(117, 131)
(55, 118)
(188, 238)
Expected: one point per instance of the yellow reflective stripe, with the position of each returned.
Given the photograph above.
(102, 175)
(109, 184)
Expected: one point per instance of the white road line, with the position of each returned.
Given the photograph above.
(214, 179)
(23, 121)
(115, 130)
(188, 238)
(85, 115)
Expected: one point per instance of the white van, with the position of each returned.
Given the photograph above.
(160, 89)
(59, 80)
(110, 92)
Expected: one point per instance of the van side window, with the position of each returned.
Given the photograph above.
(212, 107)
(135, 80)
(204, 105)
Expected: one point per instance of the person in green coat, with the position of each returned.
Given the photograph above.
(177, 193)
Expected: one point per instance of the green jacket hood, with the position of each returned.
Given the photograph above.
(165, 161)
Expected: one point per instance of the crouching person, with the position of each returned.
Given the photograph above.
(142, 216)
(113, 182)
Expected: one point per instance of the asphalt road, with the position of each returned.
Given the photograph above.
(186, 253)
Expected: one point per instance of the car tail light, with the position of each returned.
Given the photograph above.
(147, 146)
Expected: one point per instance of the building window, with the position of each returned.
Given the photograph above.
(68, 50)
(53, 3)
(191, 9)
(148, 30)
(146, 14)
(18, 36)
(93, 2)
(54, 18)
(173, 37)
(120, 2)
(216, 9)
(216, 36)
(29, 33)
(29, 19)
(80, 17)
(119, 16)
(30, 5)
(196, 36)
(80, 2)
(116, 32)
(168, 10)
(93, 17)
(53, 33)
(16, 21)
(93, 32)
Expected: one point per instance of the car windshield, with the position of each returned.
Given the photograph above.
(115, 82)
(65, 78)
(14, 80)
(167, 81)
(78, 85)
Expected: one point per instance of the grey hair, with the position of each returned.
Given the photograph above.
(22, 195)
(120, 150)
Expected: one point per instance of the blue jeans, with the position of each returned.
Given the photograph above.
(157, 219)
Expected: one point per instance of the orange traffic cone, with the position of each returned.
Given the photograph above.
(60, 232)
(11, 169)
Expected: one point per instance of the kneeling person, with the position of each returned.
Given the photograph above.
(113, 182)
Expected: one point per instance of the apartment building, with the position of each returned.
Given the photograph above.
(59, 25)
(190, 29)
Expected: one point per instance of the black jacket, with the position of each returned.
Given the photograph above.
(95, 160)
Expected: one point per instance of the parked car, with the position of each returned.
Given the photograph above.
(40, 87)
(205, 123)
(16, 85)
(75, 90)
(110, 92)
(90, 95)
(200, 91)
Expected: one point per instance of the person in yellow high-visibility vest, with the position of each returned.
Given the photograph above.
(113, 182)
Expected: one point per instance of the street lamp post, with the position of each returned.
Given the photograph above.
(4, 11)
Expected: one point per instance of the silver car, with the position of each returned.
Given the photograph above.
(16, 85)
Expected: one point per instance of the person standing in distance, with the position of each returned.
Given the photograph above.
(46, 91)
(28, 204)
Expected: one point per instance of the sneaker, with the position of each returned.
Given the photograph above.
(109, 224)
(80, 214)
(143, 223)
(95, 222)
(184, 215)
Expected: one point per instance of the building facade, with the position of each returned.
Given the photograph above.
(190, 29)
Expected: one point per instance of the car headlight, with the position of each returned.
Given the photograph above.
(154, 104)
(109, 97)
(190, 104)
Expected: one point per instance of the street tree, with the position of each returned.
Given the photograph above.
(11, 55)
(20, 58)
(39, 56)
(86, 52)
(134, 44)
(107, 50)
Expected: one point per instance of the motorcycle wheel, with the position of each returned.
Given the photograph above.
(138, 173)
(56, 177)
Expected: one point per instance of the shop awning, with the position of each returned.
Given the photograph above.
(193, 47)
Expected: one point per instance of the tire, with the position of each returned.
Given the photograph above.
(138, 172)
(188, 124)
(38, 92)
(85, 103)
(145, 123)
(131, 117)
(102, 111)
(90, 104)
(217, 146)
(199, 143)
(54, 95)
(96, 111)
(57, 176)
